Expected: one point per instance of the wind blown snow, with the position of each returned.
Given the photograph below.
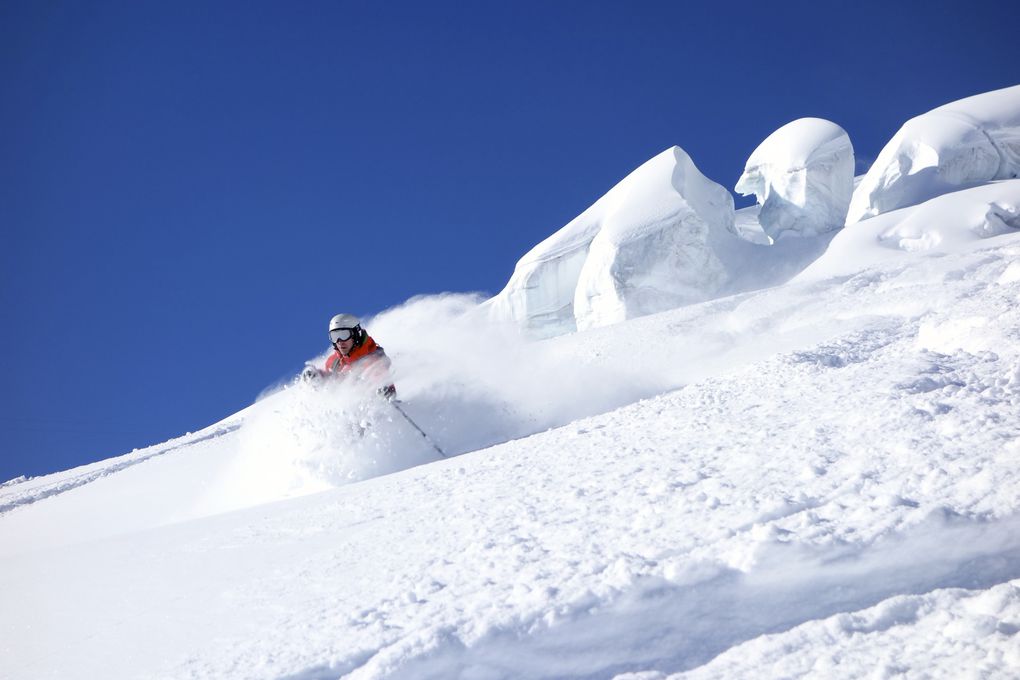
(468, 382)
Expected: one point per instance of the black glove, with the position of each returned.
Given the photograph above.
(311, 373)
(389, 392)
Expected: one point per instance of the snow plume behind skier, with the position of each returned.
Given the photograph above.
(467, 382)
(313, 437)
(333, 426)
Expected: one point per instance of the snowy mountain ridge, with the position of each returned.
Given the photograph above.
(800, 476)
(666, 235)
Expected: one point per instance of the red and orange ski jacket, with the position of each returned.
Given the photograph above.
(367, 362)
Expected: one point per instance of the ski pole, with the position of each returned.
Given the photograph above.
(415, 426)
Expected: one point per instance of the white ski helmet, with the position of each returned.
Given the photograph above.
(343, 327)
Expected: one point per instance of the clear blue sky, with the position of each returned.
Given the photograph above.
(189, 190)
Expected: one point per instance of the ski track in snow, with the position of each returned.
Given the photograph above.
(854, 479)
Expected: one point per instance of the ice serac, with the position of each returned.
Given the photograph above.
(539, 297)
(643, 247)
(803, 178)
(957, 145)
(655, 250)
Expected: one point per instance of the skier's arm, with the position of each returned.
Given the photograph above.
(376, 372)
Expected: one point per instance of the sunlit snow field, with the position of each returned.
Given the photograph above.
(810, 475)
(826, 479)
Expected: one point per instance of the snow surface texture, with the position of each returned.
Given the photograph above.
(646, 246)
(960, 144)
(943, 224)
(803, 178)
(832, 491)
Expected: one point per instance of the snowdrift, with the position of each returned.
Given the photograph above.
(948, 223)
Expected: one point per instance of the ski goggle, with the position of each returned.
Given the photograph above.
(340, 334)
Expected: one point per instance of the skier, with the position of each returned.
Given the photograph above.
(355, 355)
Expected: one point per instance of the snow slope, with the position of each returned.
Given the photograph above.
(815, 480)
(943, 224)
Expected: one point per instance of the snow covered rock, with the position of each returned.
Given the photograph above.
(655, 249)
(803, 178)
(960, 144)
(645, 246)
(947, 223)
